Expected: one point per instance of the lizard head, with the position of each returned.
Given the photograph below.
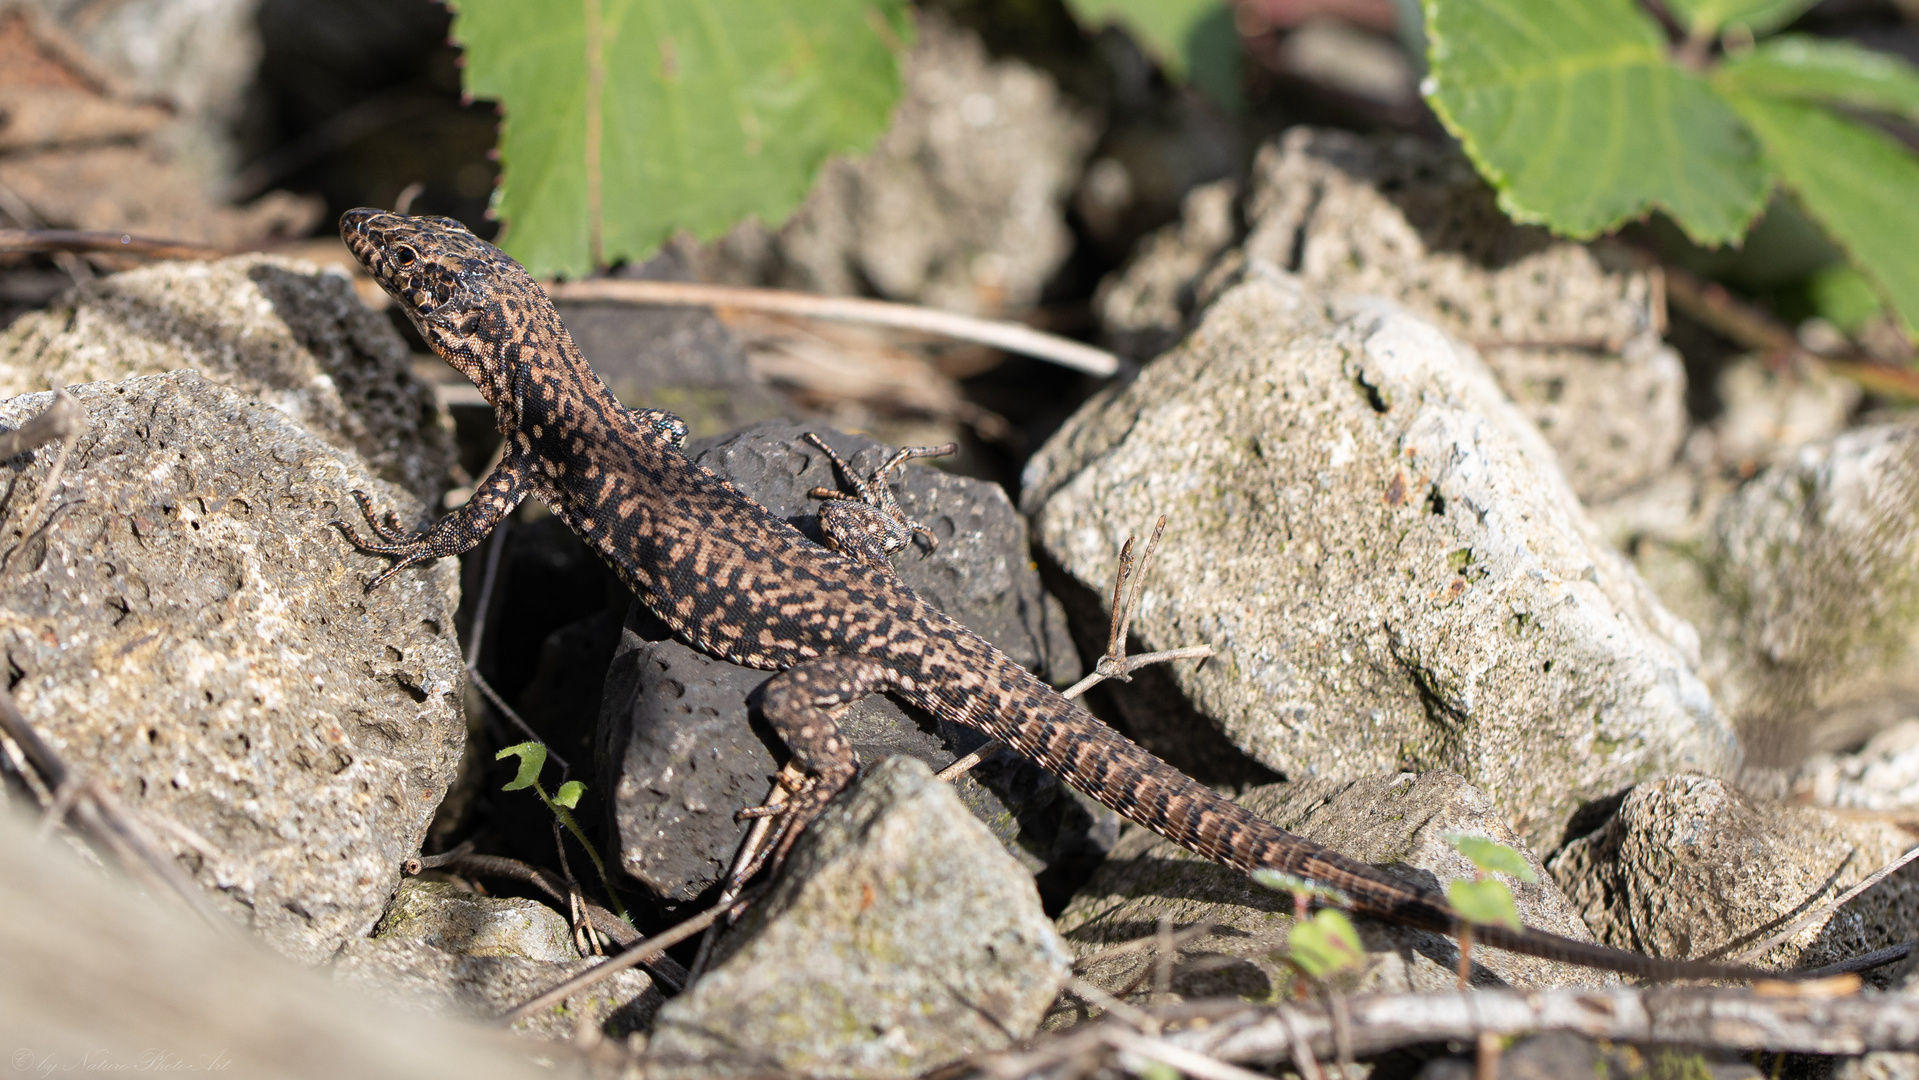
(449, 282)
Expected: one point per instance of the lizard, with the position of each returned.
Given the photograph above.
(734, 581)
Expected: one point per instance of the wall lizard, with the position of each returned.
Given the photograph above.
(736, 582)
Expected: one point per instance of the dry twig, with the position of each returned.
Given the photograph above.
(74, 241)
(103, 817)
(1818, 911)
(1816, 1018)
(638, 953)
(1012, 337)
(1115, 664)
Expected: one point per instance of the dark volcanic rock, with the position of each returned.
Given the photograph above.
(681, 752)
(680, 359)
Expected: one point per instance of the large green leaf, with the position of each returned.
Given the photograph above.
(1706, 18)
(628, 120)
(1572, 110)
(1822, 69)
(1162, 27)
(1191, 39)
(1860, 185)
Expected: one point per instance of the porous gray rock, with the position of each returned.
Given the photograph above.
(1573, 341)
(447, 952)
(1143, 310)
(189, 631)
(683, 360)
(456, 920)
(960, 205)
(1398, 822)
(899, 937)
(676, 724)
(1813, 574)
(1882, 775)
(1391, 568)
(275, 329)
(1689, 866)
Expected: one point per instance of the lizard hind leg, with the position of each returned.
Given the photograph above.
(868, 525)
(803, 704)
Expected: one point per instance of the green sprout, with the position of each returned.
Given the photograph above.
(1480, 900)
(532, 757)
(1326, 944)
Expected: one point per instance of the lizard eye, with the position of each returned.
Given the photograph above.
(405, 255)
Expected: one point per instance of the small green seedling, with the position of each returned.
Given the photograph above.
(532, 757)
(1481, 900)
(1323, 944)
(1326, 944)
(1492, 857)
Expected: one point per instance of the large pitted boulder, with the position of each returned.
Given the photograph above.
(446, 952)
(187, 629)
(275, 329)
(1689, 866)
(1574, 341)
(1400, 823)
(1813, 574)
(1383, 553)
(899, 937)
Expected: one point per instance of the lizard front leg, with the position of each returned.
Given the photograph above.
(804, 704)
(869, 526)
(454, 534)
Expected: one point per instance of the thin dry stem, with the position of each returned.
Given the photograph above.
(637, 954)
(1011, 337)
(1819, 911)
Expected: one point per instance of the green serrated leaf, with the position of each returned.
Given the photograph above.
(1491, 856)
(1193, 40)
(569, 794)
(1325, 944)
(1279, 881)
(1860, 185)
(532, 757)
(1822, 69)
(705, 113)
(1843, 297)
(1572, 110)
(1165, 28)
(1487, 902)
(1706, 18)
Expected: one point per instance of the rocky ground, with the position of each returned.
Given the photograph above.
(1442, 498)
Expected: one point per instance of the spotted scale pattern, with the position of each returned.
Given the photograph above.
(736, 582)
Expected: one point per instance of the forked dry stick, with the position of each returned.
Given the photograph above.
(1007, 336)
(64, 421)
(638, 953)
(1114, 664)
(1754, 952)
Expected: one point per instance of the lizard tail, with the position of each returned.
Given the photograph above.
(1120, 773)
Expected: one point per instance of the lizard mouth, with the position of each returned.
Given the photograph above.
(360, 231)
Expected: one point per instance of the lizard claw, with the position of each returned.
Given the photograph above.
(406, 550)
